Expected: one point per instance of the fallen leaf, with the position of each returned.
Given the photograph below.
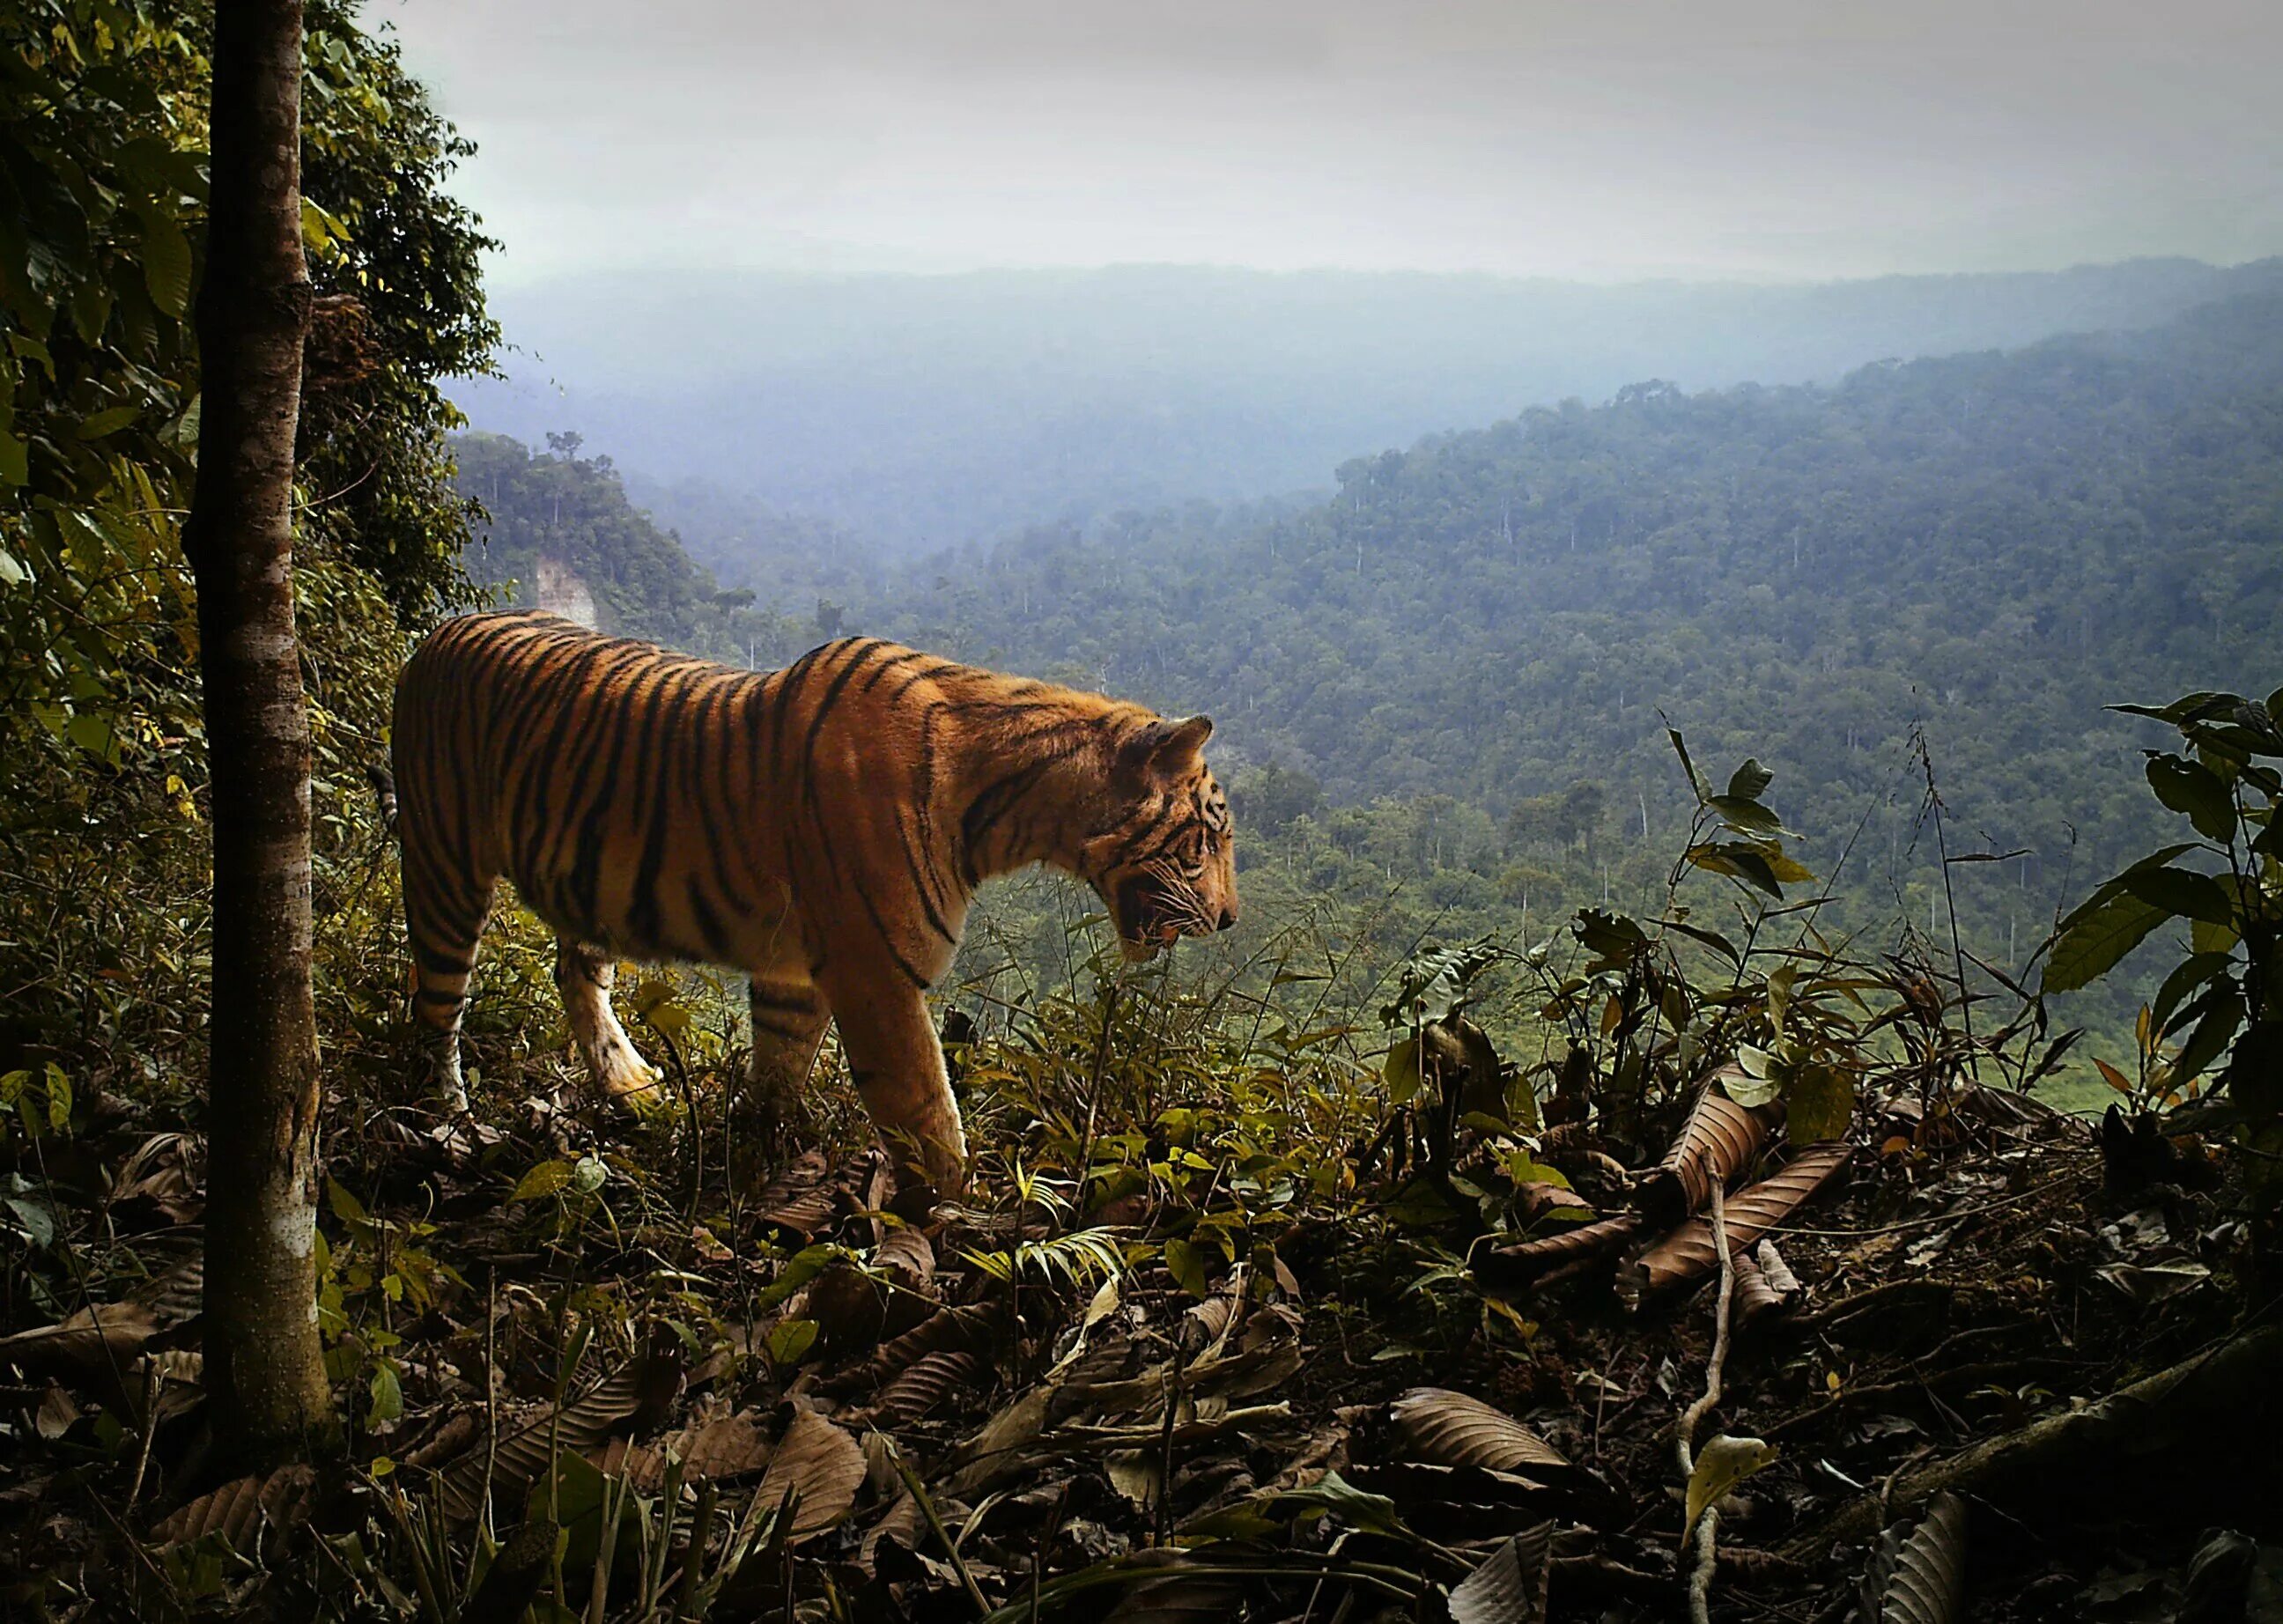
(821, 1465)
(1920, 1578)
(1511, 1587)
(237, 1509)
(1450, 1429)
(1718, 1141)
(1688, 1254)
(1721, 1464)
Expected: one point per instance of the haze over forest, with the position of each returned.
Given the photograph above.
(926, 411)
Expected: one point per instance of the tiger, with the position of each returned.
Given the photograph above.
(823, 828)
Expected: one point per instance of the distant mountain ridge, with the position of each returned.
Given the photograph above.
(924, 411)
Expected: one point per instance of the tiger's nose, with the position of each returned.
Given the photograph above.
(1228, 917)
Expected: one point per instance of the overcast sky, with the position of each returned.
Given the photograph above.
(1604, 139)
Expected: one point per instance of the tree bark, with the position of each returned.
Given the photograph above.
(264, 1367)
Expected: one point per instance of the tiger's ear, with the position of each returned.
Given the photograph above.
(1165, 748)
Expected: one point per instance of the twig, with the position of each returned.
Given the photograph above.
(1700, 1582)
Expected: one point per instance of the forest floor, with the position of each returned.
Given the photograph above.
(1256, 1378)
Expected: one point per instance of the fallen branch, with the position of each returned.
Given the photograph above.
(2227, 1400)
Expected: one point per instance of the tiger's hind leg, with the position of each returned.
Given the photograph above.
(584, 976)
(789, 1021)
(444, 917)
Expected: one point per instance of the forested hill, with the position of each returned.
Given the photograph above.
(1990, 545)
(930, 411)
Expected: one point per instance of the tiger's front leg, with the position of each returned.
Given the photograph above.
(898, 1066)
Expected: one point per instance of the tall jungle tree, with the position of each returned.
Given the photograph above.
(264, 1365)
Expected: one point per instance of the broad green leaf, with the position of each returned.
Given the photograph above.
(2187, 895)
(547, 1178)
(2091, 944)
(1820, 1105)
(1749, 817)
(1680, 749)
(2191, 788)
(2223, 1013)
(387, 1396)
(165, 261)
(1187, 1265)
(1401, 1072)
(1749, 781)
(2187, 976)
(345, 1207)
(790, 1341)
(108, 420)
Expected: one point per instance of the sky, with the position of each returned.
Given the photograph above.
(1605, 140)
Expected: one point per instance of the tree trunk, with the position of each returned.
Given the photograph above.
(264, 1367)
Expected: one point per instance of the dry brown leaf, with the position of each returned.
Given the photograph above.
(1511, 1587)
(822, 1464)
(1920, 1577)
(99, 1341)
(904, 1523)
(1533, 1260)
(975, 1329)
(921, 1389)
(726, 1447)
(1717, 1142)
(1688, 1253)
(237, 1510)
(1450, 1429)
(521, 1457)
(906, 1253)
(799, 1199)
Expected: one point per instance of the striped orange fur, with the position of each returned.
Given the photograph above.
(823, 828)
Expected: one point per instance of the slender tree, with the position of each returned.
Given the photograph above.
(264, 1365)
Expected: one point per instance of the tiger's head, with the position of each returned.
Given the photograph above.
(1165, 862)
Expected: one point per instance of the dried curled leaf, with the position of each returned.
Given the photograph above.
(800, 1199)
(922, 1389)
(237, 1510)
(522, 1455)
(977, 1330)
(1919, 1577)
(1688, 1253)
(1717, 1143)
(1511, 1587)
(1450, 1429)
(1533, 1260)
(1757, 1295)
(819, 1465)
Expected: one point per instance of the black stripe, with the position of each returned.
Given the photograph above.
(437, 963)
(709, 922)
(887, 941)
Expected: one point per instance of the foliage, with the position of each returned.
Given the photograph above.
(560, 511)
(2216, 1021)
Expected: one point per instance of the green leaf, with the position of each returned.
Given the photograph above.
(1749, 781)
(1747, 817)
(15, 461)
(1820, 1105)
(1680, 749)
(2191, 788)
(547, 1178)
(108, 420)
(790, 1341)
(345, 1207)
(2187, 976)
(2222, 1015)
(59, 1098)
(2091, 944)
(166, 260)
(2188, 895)
(1188, 1266)
(1402, 1071)
(387, 1396)
(1724, 1462)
